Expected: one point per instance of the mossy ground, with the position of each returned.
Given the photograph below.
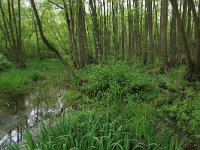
(17, 82)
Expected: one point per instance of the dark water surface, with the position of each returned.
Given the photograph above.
(26, 112)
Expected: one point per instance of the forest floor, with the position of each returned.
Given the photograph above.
(16, 82)
(115, 106)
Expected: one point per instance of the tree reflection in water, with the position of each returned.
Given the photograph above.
(26, 112)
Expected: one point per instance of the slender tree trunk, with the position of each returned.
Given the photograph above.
(71, 35)
(163, 32)
(47, 43)
(105, 33)
(137, 29)
(96, 31)
(12, 25)
(81, 33)
(123, 32)
(150, 13)
(130, 29)
(37, 39)
(183, 35)
(156, 32)
(173, 35)
(115, 27)
(197, 30)
(145, 34)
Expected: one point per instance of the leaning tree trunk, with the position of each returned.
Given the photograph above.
(197, 29)
(181, 29)
(69, 21)
(47, 43)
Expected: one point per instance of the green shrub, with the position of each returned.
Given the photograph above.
(184, 117)
(4, 63)
(144, 124)
(119, 82)
(36, 76)
(72, 95)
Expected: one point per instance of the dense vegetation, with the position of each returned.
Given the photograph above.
(131, 69)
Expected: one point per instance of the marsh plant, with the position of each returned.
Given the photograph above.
(89, 130)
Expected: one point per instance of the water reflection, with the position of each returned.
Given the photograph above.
(27, 112)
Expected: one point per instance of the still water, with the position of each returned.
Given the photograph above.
(26, 112)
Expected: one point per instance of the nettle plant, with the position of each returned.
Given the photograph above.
(119, 82)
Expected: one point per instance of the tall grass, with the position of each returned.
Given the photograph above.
(90, 131)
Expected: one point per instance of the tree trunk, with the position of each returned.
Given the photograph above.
(71, 35)
(96, 31)
(81, 33)
(173, 47)
(123, 32)
(197, 30)
(130, 29)
(115, 27)
(150, 13)
(47, 43)
(183, 35)
(163, 32)
(13, 32)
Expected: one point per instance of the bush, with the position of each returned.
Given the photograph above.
(183, 117)
(119, 82)
(72, 95)
(145, 126)
(4, 63)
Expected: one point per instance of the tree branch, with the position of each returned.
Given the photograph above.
(57, 5)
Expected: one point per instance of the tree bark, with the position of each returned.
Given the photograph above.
(163, 33)
(181, 29)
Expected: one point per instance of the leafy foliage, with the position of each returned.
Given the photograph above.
(120, 82)
(183, 116)
(153, 110)
(4, 63)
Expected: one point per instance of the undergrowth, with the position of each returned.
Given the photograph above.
(89, 130)
(14, 81)
(119, 82)
(121, 106)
